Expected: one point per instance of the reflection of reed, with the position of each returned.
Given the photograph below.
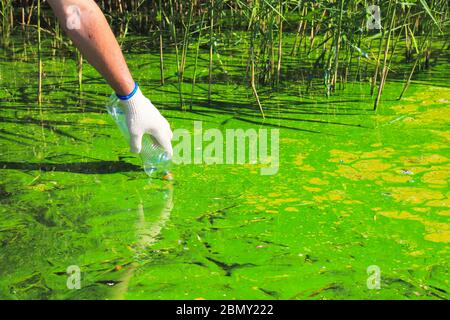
(146, 233)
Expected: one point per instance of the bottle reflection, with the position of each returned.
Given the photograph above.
(147, 231)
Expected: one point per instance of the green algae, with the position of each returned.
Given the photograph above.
(354, 189)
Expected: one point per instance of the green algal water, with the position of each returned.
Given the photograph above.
(354, 189)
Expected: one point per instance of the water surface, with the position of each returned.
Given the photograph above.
(355, 188)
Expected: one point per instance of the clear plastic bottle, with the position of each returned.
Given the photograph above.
(155, 160)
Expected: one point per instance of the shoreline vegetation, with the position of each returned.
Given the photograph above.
(332, 38)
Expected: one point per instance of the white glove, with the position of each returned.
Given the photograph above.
(142, 117)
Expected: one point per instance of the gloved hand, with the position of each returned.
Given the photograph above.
(142, 117)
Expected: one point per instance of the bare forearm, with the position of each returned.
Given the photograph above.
(95, 40)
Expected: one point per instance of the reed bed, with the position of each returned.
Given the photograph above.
(332, 36)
